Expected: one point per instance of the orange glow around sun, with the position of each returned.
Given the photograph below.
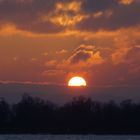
(77, 81)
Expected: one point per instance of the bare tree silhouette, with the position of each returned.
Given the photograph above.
(80, 116)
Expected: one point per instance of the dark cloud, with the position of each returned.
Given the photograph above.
(28, 15)
(41, 27)
(87, 54)
(21, 11)
(119, 75)
(85, 48)
(81, 55)
(122, 16)
(133, 56)
(98, 5)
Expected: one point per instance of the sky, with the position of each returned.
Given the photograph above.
(49, 41)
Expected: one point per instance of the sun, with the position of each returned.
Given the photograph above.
(77, 81)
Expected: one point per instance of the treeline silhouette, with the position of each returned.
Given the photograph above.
(80, 116)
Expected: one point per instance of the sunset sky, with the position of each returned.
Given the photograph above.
(49, 41)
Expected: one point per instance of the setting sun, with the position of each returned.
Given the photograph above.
(77, 81)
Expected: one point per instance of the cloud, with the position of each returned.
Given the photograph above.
(90, 6)
(126, 2)
(67, 14)
(63, 51)
(85, 47)
(40, 27)
(81, 59)
(25, 15)
(134, 53)
(85, 55)
(73, 6)
(120, 55)
(81, 55)
(45, 54)
(114, 15)
(55, 16)
(40, 16)
(51, 63)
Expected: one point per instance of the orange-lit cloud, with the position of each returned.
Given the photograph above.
(63, 51)
(50, 17)
(126, 2)
(119, 56)
(74, 6)
(67, 14)
(86, 58)
(67, 20)
(51, 63)
(41, 41)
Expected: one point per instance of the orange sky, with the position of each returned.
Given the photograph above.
(50, 41)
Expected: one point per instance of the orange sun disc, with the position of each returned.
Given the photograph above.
(77, 81)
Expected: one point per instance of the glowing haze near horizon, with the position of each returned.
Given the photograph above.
(50, 41)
